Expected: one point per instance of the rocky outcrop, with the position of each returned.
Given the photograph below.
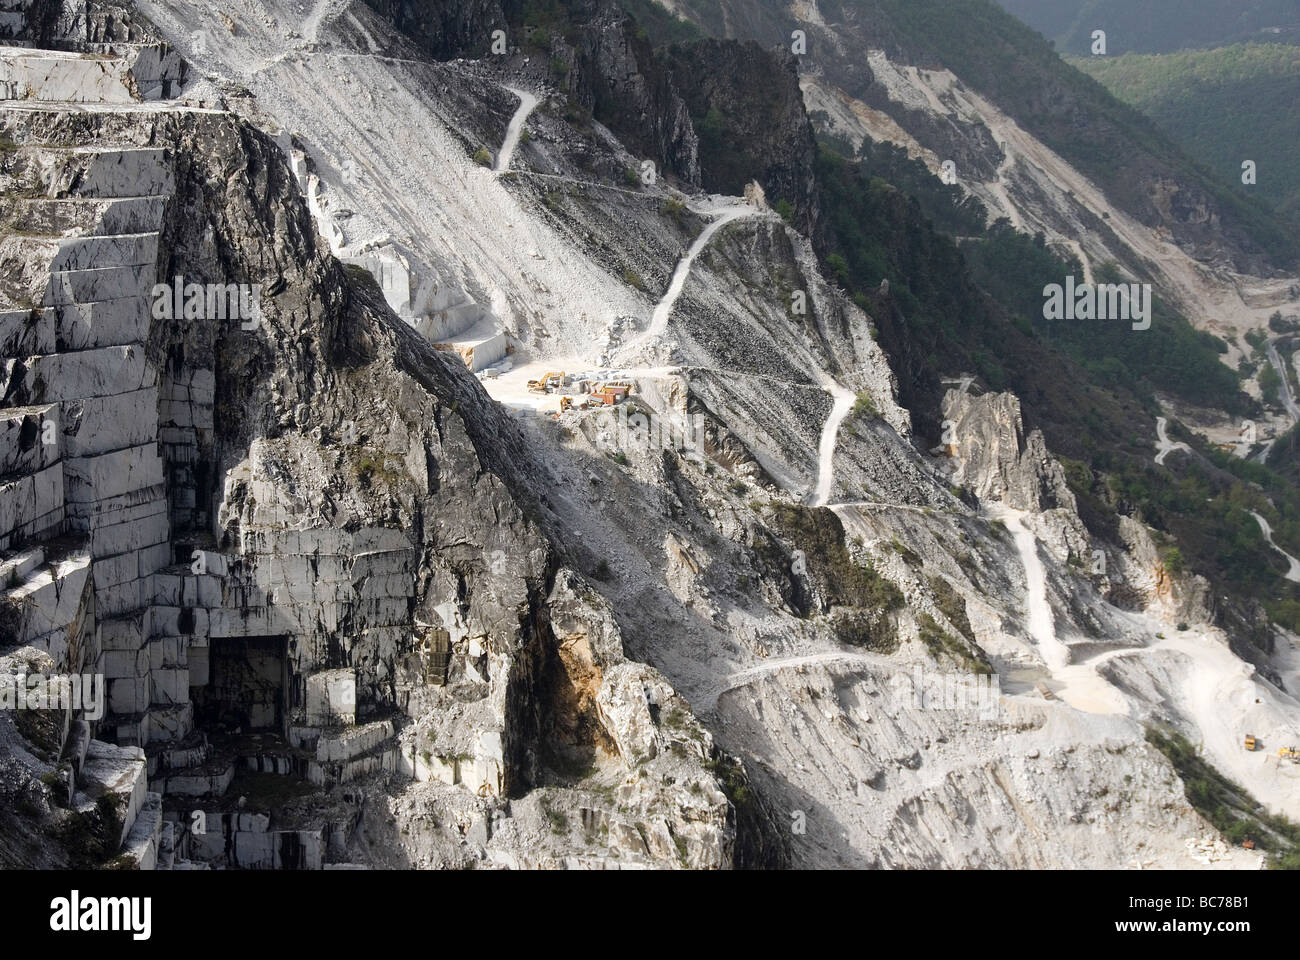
(446, 30)
(995, 458)
(717, 79)
(268, 505)
(69, 25)
(629, 89)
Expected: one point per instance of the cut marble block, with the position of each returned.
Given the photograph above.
(128, 695)
(113, 172)
(353, 742)
(377, 546)
(108, 283)
(123, 634)
(152, 559)
(106, 250)
(332, 698)
(170, 722)
(180, 621)
(118, 772)
(245, 622)
(105, 216)
(102, 323)
(212, 779)
(170, 686)
(277, 850)
(106, 423)
(198, 666)
(382, 760)
(26, 333)
(479, 347)
(111, 571)
(119, 599)
(50, 599)
(23, 435)
(158, 71)
(122, 529)
(83, 374)
(145, 73)
(18, 568)
(381, 611)
(142, 843)
(385, 586)
(170, 652)
(139, 214)
(98, 478)
(31, 506)
(307, 592)
(132, 730)
(201, 591)
(126, 664)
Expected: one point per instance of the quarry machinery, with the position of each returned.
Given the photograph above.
(549, 381)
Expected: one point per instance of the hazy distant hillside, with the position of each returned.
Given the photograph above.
(1224, 106)
(1158, 26)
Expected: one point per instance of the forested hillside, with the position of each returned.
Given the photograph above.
(1223, 106)
(1160, 26)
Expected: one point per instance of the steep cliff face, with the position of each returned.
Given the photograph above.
(473, 625)
(996, 460)
(681, 108)
(616, 75)
(56, 24)
(718, 79)
(446, 30)
(327, 497)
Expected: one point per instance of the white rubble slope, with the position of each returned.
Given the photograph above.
(1062, 778)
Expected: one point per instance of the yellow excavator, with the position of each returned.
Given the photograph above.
(1289, 753)
(548, 381)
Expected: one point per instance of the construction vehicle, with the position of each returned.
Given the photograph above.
(1289, 753)
(565, 403)
(549, 381)
(1250, 742)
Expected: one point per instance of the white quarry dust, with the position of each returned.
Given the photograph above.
(842, 404)
(511, 388)
(1228, 700)
(388, 151)
(707, 699)
(1040, 624)
(1216, 690)
(732, 210)
(527, 102)
(1293, 574)
(1288, 399)
(1165, 446)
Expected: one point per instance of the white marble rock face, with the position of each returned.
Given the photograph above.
(133, 426)
(332, 698)
(146, 72)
